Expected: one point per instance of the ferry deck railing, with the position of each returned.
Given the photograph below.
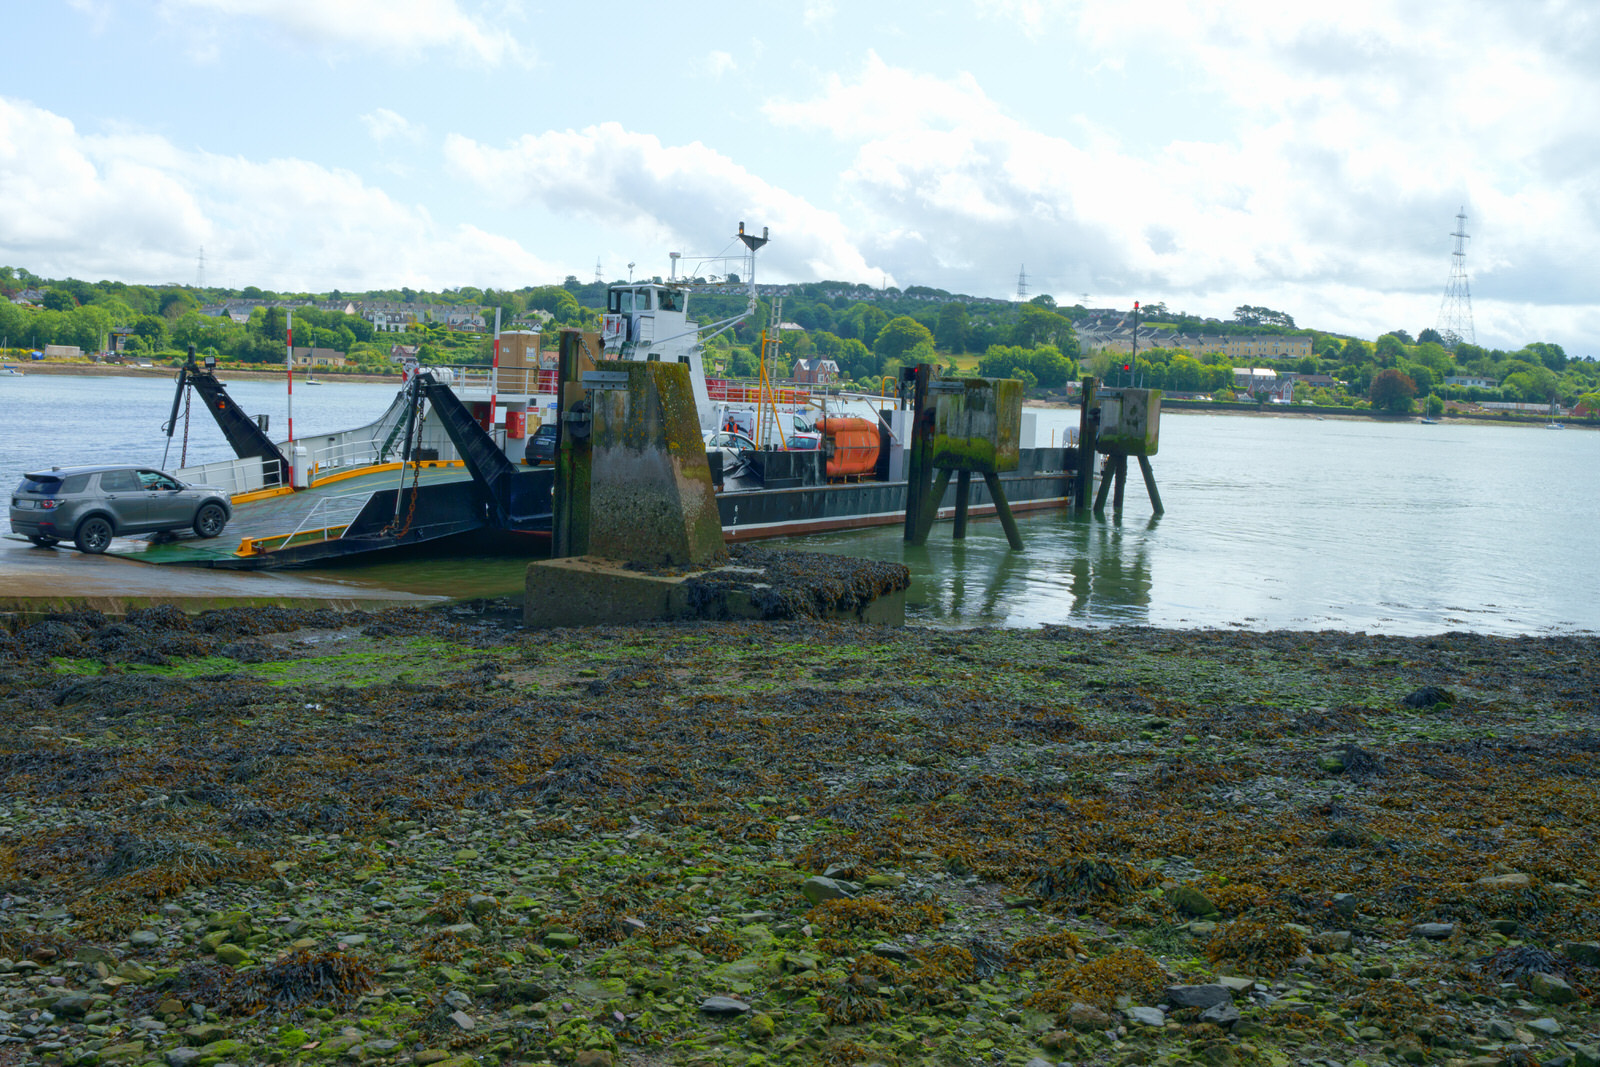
(236, 475)
(329, 504)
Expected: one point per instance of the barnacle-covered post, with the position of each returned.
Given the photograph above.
(570, 535)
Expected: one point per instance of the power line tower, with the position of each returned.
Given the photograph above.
(1022, 284)
(1455, 311)
(597, 278)
(200, 270)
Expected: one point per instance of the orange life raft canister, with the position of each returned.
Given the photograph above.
(855, 445)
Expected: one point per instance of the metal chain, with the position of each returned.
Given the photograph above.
(416, 481)
(416, 491)
(183, 455)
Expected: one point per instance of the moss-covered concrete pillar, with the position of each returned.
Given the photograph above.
(650, 494)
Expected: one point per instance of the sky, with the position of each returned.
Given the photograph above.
(1200, 153)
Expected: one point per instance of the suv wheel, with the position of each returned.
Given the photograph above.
(209, 520)
(93, 535)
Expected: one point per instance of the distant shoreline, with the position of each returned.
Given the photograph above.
(123, 370)
(1287, 411)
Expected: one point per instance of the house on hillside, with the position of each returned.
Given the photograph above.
(1314, 381)
(1254, 380)
(317, 357)
(460, 318)
(387, 316)
(1119, 336)
(815, 371)
(1244, 346)
(235, 311)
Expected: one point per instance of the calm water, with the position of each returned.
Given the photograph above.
(1271, 522)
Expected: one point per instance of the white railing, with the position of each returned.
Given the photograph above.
(335, 511)
(357, 447)
(337, 451)
(236, 475)
(511, 381)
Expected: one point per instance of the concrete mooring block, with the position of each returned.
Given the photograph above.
(757, 584)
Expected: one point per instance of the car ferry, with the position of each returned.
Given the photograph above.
(451, 455)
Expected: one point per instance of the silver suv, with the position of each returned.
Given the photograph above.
(91, 505)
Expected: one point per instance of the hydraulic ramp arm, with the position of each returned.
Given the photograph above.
(512, 493)
(247, 439)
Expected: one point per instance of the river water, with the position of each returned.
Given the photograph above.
(1271, 523)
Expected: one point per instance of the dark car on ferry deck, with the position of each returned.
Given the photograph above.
(542, 445)
(90, 505)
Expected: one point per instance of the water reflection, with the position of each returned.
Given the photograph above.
(1109, 564)
(1090, 571)
(960, 579)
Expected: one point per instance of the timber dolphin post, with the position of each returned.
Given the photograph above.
(1129, 425)
(1150, 484)
(570, 502)
(1088, 430)
(962, 426)
(919, 472)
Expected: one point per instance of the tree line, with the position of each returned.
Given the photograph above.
(869, 333)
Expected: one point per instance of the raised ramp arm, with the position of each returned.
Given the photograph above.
(246, 438)
(511, 491)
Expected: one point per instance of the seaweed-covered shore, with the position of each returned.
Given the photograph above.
(422, 837)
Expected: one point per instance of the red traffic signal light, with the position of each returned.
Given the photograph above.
(1127, 366)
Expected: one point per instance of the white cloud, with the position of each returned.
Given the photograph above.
(1029, 15)
(719, 63)
(1349, 151)
(406, 27)
(661, 193)
(817, 13)
(135, 207)
(383, 124)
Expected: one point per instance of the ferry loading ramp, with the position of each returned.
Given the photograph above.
(376, 487)
(348, 513)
